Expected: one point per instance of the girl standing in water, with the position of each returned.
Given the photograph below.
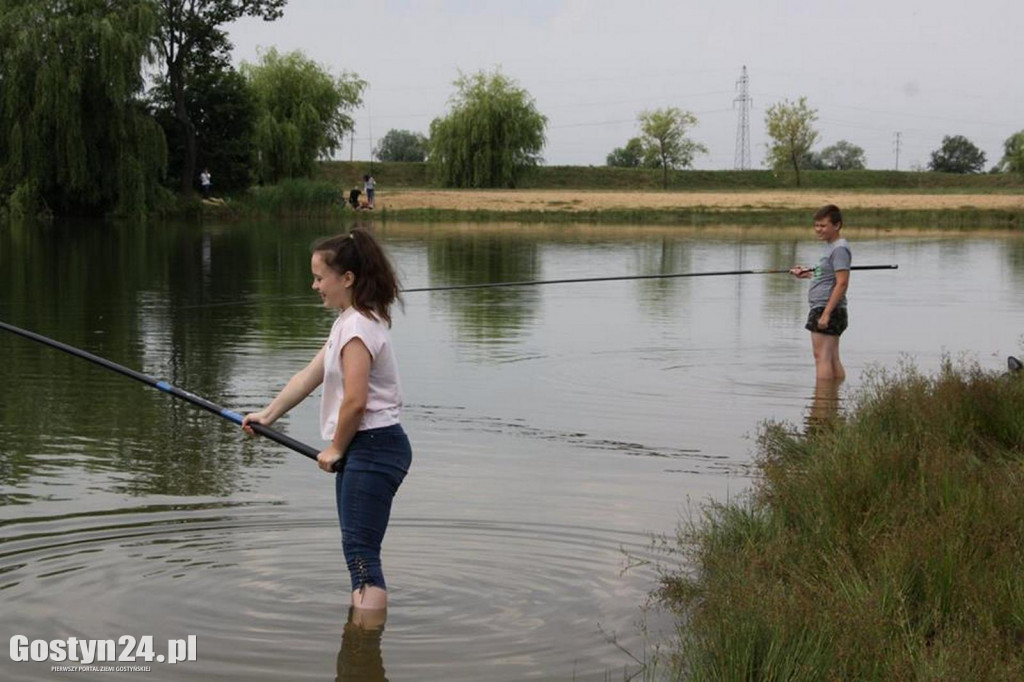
(359, 412)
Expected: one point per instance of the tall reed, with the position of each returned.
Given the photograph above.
(295, 197)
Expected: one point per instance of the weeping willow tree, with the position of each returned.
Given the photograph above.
(74, 136)
(302, 112)
(1013, 154)
(491, 135)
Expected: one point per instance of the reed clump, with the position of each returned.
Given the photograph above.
(886, 545)
(294, 197)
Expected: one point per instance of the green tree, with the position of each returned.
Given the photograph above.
(73, 133)
(842, 155)
(957, 155)
(790, 127)
(191, 36)
(491, 135)
(812, 161)
(402, 145)
(630, 156)
(223, 110)
(1013, 154)
(663, 133)
(302, 112)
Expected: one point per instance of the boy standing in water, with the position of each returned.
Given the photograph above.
(830, 279)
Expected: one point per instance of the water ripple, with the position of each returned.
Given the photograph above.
(246, 577)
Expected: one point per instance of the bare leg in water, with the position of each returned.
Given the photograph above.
(827, 364)
(824, 405)
(370, 598)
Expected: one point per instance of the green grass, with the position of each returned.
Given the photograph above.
(325, 196)
(598, 177)
(345, 174)
(293, 198)
(888, 545)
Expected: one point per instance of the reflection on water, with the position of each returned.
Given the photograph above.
(360, 659)
(263, 588)
(554, 428)
(486, 316)
(824, 407)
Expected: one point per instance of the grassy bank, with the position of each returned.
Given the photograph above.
(288, 199)
(319, 198)
(345, 174)
(960, 219)
(886, 546)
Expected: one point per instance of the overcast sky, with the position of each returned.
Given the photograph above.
(925, 68)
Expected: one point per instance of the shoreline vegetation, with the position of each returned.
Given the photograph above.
(884, 544)
(601, 195)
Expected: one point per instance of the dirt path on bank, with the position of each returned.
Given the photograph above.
(571, 201)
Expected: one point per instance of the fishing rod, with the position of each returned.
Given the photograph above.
(198, 401)
(530, 283)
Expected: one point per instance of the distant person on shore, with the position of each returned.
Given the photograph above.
(353, 198)
(205, 183)
(368, 186)
(830, 279)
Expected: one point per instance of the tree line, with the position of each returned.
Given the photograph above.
(84, 131)
(792, 135)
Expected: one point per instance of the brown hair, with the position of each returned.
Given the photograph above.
(376, 286)
(832, 212)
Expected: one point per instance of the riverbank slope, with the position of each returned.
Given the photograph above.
(769, 207)
(886, 545)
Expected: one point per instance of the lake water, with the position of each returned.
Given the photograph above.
(555, 429)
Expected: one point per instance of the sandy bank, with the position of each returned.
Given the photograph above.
(592, 200)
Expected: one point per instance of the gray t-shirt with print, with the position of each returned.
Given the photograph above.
(837, 256)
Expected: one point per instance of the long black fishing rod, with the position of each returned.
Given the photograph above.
(230, 415)
(531, 283)
(538, 282)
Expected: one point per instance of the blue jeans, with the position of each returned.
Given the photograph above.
(374, 465)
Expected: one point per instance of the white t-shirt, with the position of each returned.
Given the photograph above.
(384, 400)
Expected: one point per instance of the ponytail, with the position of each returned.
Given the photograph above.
(376, 285)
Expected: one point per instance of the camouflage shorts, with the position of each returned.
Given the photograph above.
(837, 321)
